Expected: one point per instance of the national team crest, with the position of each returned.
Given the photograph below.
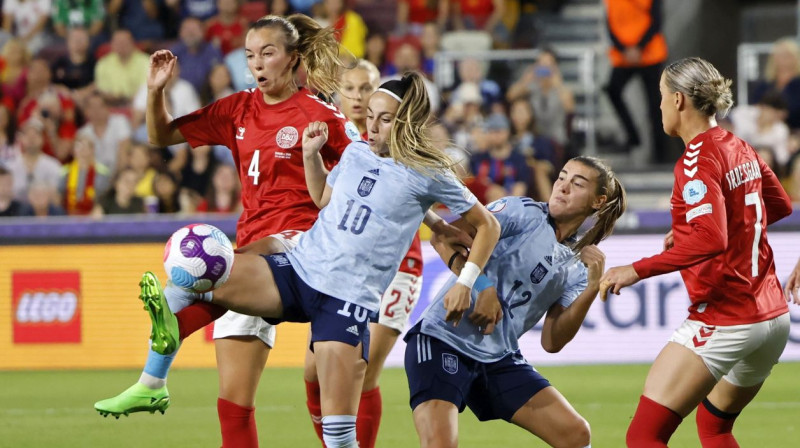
(365, 187)
(450, 363)
(538, 273)
(287, 137)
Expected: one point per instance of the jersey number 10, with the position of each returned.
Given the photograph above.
(359, 220)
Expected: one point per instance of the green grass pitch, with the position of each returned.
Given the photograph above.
(54, 409)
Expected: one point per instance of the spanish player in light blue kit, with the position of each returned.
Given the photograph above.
(538, 268)
(374, 201)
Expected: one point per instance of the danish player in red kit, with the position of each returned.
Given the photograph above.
(263, 128)
(723, 199)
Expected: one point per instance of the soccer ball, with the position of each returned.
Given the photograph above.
(198, 258)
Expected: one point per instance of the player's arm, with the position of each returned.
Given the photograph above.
(708, 235)
(314, 137)
(562, 323)
(161, 129)
(777, 203)
(793, 285)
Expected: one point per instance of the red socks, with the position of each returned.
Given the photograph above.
(369, 418)
(238, 425)
(196, 316)
(652, 426)
(314, 407)
(715, 427)
(369, 414)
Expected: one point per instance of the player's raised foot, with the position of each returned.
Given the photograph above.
(164, 333)
(137, 398)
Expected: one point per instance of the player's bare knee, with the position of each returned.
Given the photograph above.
(581, 433)
(438, 441)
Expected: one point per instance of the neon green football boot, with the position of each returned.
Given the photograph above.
(164, 333)
(137, 398)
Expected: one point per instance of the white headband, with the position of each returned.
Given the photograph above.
(391, 94)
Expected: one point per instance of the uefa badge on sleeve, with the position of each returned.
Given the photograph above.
(365, 187)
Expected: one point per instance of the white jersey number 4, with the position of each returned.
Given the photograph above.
(252, 171)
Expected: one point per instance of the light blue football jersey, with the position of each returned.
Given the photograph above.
(360, 238)
(531, 271)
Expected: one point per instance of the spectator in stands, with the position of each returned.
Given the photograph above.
(40, 201)
(638, 49)
(119, 74)
(473, 71)
(351, 31)
(143, 19)
(375, 51)
(75, 71)
(463, 115)
(196, 9)
(196, 56)
(782, 74)
(792, 181)
(303, 6)
(142, 169)
(57, 111)
(87, 14)
(552, 101)
(26, 19)
(431, 41)
(31, 164)
(196, 174)
(8, 130)
(504, 170)
(109, 132)
(223, 196)
(226, 30)
(485, 15)
(763, 126)
(120, 199)
(413, 15)
(407, 58)
(539, 151)
(9, 206)
(84, 179)
(280, 8)
(218, 84)
(166, 189)
(14, 71)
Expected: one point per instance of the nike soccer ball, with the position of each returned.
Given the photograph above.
(198, 258)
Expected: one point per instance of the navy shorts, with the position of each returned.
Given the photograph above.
(495, 390)
(331, 319)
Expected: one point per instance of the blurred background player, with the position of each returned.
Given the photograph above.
(275, 200)
(357, 213)
(720, 211)
(536, 270)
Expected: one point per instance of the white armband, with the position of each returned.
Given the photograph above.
(469, 273)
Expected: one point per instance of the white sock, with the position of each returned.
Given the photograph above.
(339, 431)
(151, 381)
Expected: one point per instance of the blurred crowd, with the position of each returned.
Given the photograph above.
(72, 133)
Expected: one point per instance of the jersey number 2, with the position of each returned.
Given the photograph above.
(252, 171)
(754, 199)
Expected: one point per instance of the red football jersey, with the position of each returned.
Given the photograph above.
(724, 197)
(266, 142)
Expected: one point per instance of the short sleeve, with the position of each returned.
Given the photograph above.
(575, 283)
(210, 125)
(515, 214)
(448, 190)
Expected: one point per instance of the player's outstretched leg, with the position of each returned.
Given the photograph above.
(165, 333)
